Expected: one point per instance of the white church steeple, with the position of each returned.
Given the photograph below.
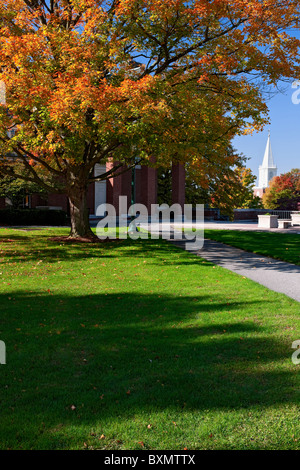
(268, 169)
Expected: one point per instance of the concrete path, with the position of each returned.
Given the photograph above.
(276, 275)
(246, 226)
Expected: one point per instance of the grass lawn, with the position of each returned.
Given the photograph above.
(140, 345)
(284, 246)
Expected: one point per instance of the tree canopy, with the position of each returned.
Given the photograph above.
(229, 190)
(89, 81)
(284, 192)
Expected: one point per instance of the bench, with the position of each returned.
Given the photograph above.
(284, 223)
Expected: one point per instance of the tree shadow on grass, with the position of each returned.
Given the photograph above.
(41, 247)
(84, 361)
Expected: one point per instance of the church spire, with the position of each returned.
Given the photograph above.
(268, 161)
(268, 169)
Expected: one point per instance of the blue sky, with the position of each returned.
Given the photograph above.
(285, 134)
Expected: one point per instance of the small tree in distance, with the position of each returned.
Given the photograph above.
(231, 190)
(16, 189)
(284, 192)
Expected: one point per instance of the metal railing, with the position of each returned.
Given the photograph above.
(281, 214)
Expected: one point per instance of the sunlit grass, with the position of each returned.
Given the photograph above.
(284, 246)
(140, 345)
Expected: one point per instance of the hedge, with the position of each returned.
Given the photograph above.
(33, 217)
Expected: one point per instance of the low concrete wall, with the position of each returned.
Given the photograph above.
(246, 214)
(268, 221)
(295, 218)
(211, 214)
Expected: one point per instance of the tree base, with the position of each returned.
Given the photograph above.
(70, 239)
(88, 237)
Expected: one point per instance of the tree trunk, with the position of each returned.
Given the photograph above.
(80, 225)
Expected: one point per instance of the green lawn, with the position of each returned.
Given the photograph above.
(284, 246)
(140, 345)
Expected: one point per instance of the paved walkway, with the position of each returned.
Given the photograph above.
(244, 225)
(274, 274)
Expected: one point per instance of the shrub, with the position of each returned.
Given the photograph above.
(33, 217)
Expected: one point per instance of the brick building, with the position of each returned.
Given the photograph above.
(143, 180)
(144, 183)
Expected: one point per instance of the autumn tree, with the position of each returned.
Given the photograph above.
(202, 179)
(91, 81)
(16, 189)
(235, 191)
(227, 190)
(243, 189)
(283, 192)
